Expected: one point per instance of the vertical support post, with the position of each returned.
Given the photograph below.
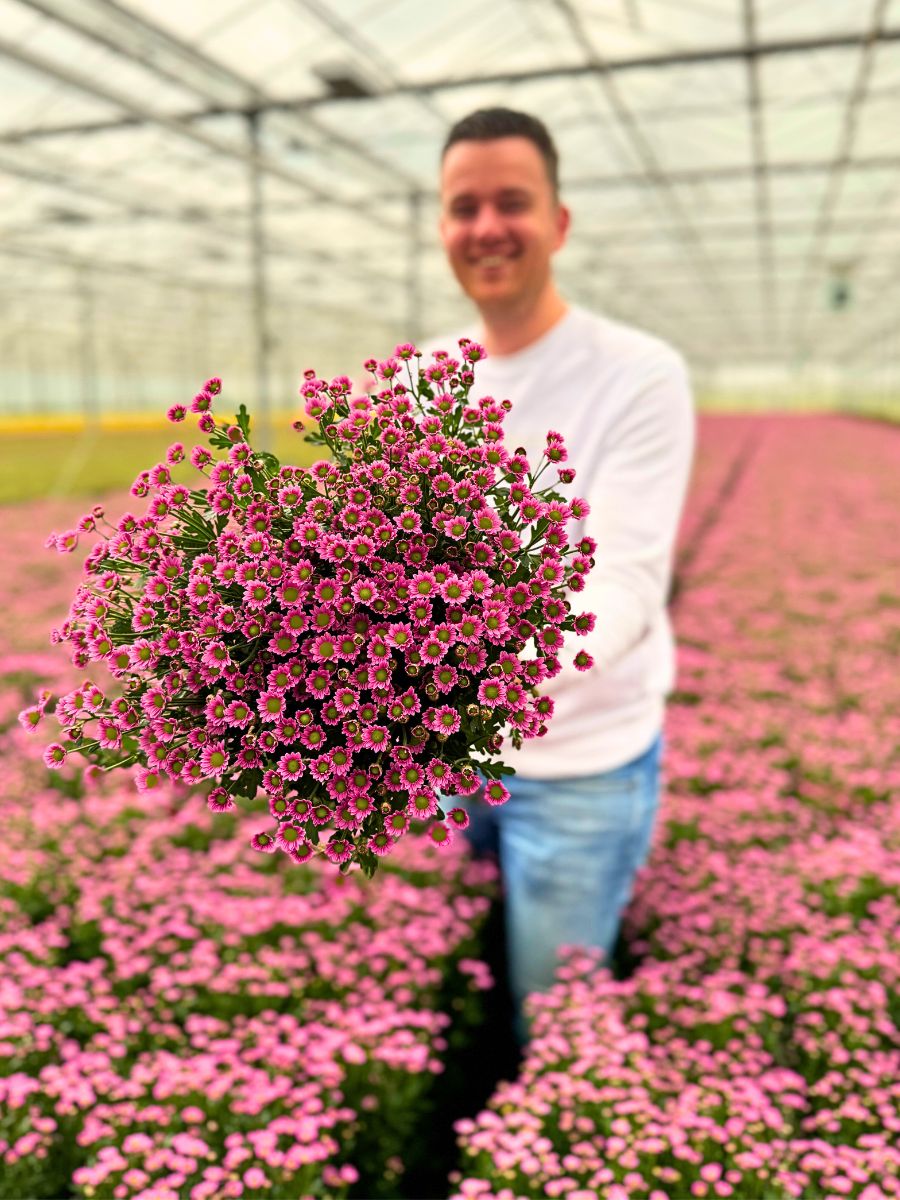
(261, 405)
(201, 323)
(415, 241)
(33, 366)
(87, 350)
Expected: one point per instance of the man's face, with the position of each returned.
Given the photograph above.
(500, 222)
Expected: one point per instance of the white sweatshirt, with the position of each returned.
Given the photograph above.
(622, 401)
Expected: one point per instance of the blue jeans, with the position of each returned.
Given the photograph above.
(568, 850)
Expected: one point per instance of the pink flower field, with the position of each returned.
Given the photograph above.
(754, 1051)
(181, 1017)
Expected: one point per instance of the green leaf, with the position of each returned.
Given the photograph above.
(270, 460)
(243, 420)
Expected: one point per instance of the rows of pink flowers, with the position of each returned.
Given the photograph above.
(186, 1023)
(755, 1050)
(180, 1017)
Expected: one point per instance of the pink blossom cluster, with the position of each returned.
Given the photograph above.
(351, 640)
(755, 1049)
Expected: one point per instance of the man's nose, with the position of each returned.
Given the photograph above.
(487, 223)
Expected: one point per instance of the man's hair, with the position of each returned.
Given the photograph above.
(486, 124)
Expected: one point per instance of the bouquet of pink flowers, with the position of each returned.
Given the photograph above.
(351, 639)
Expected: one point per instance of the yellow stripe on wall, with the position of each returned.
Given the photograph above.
(116, 422)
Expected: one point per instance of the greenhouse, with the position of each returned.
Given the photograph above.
(454, 750)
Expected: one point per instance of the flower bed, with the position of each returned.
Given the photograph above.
(179, 1017)
(755, 1051)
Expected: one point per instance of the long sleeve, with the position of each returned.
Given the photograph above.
(636, 493)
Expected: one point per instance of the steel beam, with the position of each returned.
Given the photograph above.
(616, 66)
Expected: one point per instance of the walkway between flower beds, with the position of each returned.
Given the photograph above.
(755, 1050)
(181, 1019)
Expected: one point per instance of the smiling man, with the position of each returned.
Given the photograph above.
(501, 224)
(585, 796)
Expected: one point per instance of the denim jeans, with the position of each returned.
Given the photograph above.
(568, 850)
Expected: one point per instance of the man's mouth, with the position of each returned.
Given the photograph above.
(488, 261)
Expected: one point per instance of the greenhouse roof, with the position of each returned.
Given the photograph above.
(733, 167)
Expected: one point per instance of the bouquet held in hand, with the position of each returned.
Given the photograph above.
(350, 641)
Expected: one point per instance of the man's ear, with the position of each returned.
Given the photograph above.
(563, 224)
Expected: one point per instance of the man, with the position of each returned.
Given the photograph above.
(584, 798)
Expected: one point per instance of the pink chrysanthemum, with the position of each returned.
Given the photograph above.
(495, 793)
(147, 780)
(444, 719)
(381, 844)
(271, 705)
(289, 836)
(490, 693)
(219, 801)
(440, 835)
(290, 766)
(422, 805)
(264, 843)
(214, 759)
(301, 853)
(30, 718)
(339, 850)
(55, 756)
(375, 737)
(109, 735)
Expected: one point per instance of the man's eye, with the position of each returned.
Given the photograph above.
(514, 205)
